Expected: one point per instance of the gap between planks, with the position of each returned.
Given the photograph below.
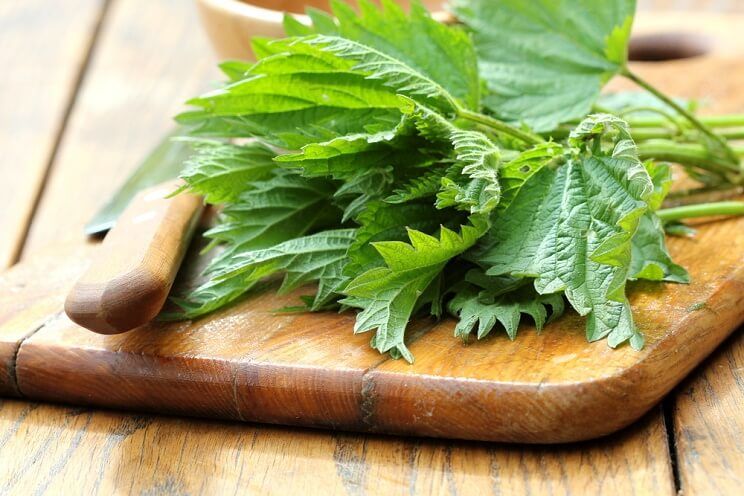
(71, 99)
(59, 132)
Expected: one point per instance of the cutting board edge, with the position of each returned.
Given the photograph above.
(35, 369)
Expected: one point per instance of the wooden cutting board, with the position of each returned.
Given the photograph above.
(248, 363)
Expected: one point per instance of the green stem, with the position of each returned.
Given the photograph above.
(687, 154)
(711, 121)
(701, 210)
(669, 118)
(718, 189)
(500, 127)
(654, 133)
(684, 113)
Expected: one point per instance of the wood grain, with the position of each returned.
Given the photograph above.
(249, 363)
(52, 449)
(151, 56)
(18, 320)
(706, 409)
(43, 47)
(709, 425)
(161, 455)
(131, 276)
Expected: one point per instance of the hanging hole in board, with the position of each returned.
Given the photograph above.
(659, 47)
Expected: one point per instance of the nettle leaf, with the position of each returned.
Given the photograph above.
(221, 171)
(650, 258)
(235, 70)
(362, 189)
(480, 159)
(519, 170)
(388, 296)
(319, 257)
(345, 157)
(545, 61)
(413, 53)
(281, 208)
(320, 23)
(483, 309)
(295, 95)
(381, 221)
(571, 230)
(476, 188)
(295, 92)
(425, 185)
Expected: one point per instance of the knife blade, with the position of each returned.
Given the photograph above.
(163, 163)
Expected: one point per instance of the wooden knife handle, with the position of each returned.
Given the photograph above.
(130, 278)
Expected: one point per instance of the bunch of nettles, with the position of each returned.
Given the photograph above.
(411, 167)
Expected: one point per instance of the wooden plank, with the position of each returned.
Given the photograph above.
(149, 59)
(42, 49)
(18, 320)
(706, 410)
(709, 425)
(146, 455)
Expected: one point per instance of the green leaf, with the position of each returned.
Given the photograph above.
(519, 170)
(321, 23)
(481, 308)
(545, 61)
(221, 172)
(359, 191)
(476, 188)
(276, 210)
(650, 259)
(319, 257)
(388, 295)
(390, 222)
(425, 185)
(293, 93)
(345, 157)
(235, 70)
(413, 53)
(296, 95)
(571, 230)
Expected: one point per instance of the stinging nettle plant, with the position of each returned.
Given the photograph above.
(408, 167)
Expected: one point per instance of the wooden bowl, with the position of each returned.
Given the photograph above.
(230, 24)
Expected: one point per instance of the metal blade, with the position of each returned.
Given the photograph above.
(163, 163)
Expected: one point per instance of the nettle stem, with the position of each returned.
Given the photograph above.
(691, 155)
(701, 210)
(728, 152)
(710, 121)
(655, 133)
(500, 127)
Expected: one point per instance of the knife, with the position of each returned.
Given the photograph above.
(163, 163)
(128, 282)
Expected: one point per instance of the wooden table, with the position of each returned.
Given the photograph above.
(87, 87)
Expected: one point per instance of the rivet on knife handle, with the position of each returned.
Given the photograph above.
(128, 282)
